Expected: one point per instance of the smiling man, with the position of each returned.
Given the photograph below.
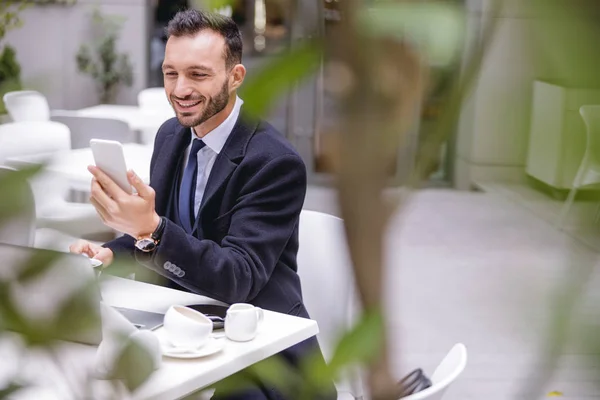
(220, 216)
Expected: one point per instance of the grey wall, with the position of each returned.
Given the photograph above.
(50, 37)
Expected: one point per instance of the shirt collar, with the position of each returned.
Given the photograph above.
(215, 139)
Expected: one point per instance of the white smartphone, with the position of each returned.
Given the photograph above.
(109, 157)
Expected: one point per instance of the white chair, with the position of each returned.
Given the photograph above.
(56, 213)
(19, 230)
(154, 103)
(449, 369)
(85, 128)
(50, 191)
(325, 272)
(32, 137)
(27, 105)
(589, 170)
(154, 99)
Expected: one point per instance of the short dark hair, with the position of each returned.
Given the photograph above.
(190, 22)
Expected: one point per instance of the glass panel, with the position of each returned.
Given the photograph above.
(265, 26)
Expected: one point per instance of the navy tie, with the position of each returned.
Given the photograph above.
(187, 191)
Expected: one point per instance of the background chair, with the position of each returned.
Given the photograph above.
(449, 369)
(325, 271)
(589, 170)
(54, 212)
(154, 99)
(27, 105)
(33, 137)
(154, 103)
(85, 128)
(50, 191)
(19, 230)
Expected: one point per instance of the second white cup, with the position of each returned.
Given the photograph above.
(242, 322)
(186, 327)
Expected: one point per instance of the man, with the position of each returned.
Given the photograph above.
(220, 216)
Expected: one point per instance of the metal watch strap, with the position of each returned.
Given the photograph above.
(157, 234)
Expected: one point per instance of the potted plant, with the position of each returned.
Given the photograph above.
(102, 62)
(10, 70)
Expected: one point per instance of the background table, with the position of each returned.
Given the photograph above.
(178, 378)
(72, 164)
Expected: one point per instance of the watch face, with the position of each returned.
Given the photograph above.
(145, 244)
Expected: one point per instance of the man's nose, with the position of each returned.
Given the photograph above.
(182, 88)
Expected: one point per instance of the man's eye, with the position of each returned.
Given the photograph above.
(171, 73)
(199, 75)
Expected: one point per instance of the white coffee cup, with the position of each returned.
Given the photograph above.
(186, 327)
(242, 322)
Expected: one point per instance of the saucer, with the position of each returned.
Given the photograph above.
(211, 347)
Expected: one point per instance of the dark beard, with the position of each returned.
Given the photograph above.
(213, 107)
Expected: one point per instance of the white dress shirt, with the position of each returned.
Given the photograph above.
(214, 142)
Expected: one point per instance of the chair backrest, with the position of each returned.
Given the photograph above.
(85, 128)
(325, 272)
(27, 105)
(591, 117)
(19, 230)
(328, 289)
(446, 372)
(32, 137)
(154, 99)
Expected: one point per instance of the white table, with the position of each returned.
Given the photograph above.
(177, 377)
(72, 164)
(136, 118)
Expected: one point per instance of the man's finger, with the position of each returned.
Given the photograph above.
(78, 247)
(100, 196)
(142, 189)
(100, 210)
(81, 247)
(109, 186)
(104, 255)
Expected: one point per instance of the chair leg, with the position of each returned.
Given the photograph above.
(575, 186)
(565, 209)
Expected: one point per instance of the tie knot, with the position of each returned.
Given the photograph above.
(197, 144)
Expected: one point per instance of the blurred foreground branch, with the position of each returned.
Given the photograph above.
(380, 83)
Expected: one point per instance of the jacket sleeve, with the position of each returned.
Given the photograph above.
(260, 225)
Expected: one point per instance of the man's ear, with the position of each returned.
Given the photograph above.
(238, 73)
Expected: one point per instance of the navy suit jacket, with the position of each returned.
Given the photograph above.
(245, 239)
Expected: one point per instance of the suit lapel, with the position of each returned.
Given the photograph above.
(166, 166)
(227, 160)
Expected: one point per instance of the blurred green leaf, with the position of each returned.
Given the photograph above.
(39, 262)
(10, 318)
(360, 344)
(262, 88)
(216, 5)
(134, 365)
(273, 372)
(438, 28)
(7, 391)
(79, 314)
(14, 190)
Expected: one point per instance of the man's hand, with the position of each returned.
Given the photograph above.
(132, 214)
(93, 251)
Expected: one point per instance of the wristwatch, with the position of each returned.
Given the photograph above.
(149, 243)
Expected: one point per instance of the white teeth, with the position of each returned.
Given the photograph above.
(187, 105)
